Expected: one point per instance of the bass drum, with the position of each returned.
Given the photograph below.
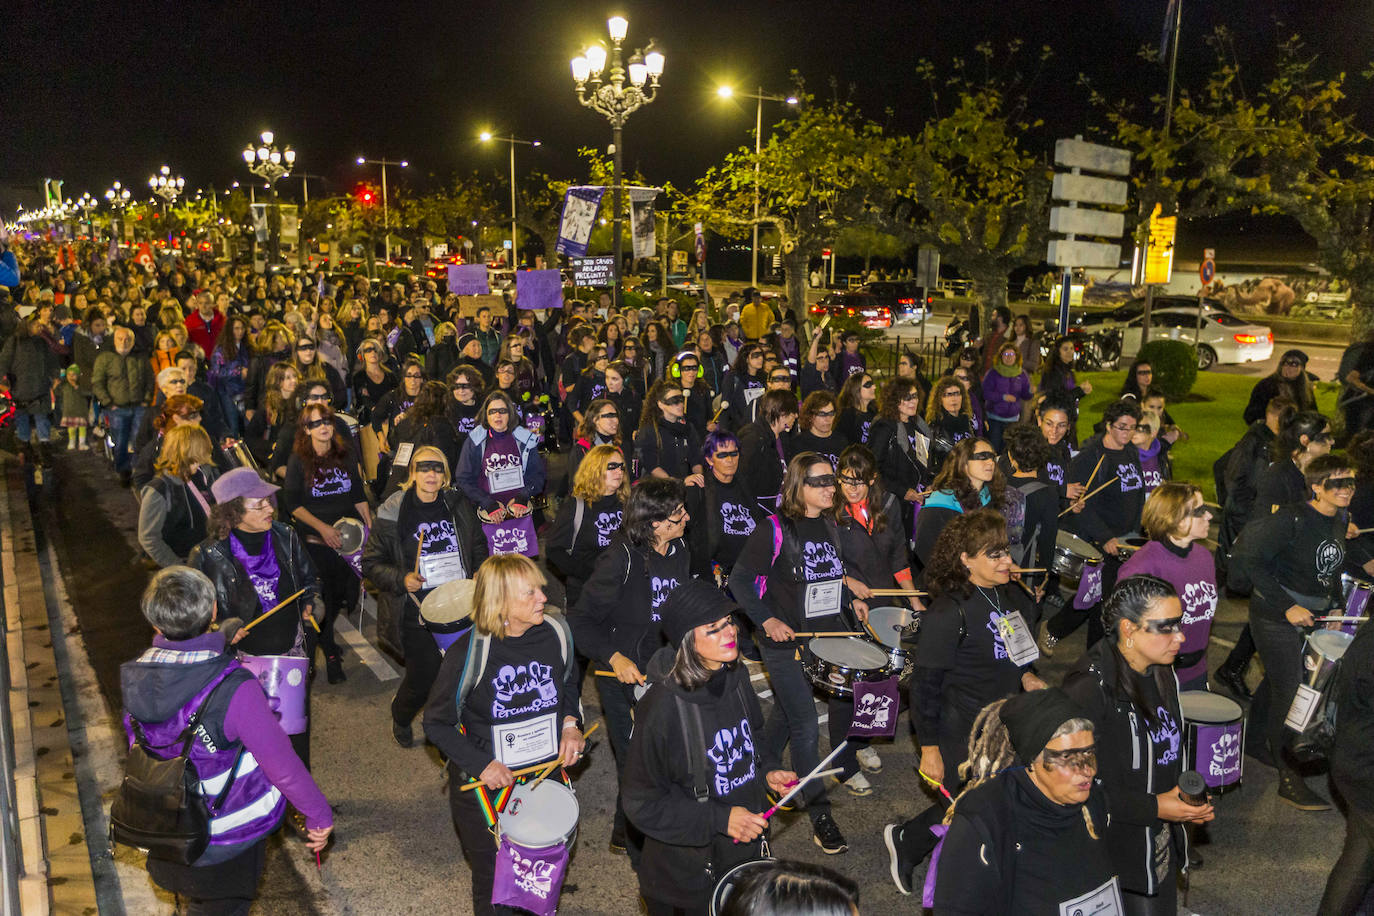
(731, 880)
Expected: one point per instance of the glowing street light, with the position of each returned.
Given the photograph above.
(728, 92)
(486, 137)
(386, 218)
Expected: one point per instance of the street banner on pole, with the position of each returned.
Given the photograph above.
(701, 245)
(538, 289)
(579, 217)
(468, 280)
(642, 221)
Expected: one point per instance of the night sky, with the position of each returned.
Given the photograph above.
(98, 92)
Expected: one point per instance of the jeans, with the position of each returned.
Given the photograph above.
(123, 423)
(1353, 872)
(793, 718)
(40, 421)
(233, 415)
(1280, 646)
(616, 705)
(422, 660)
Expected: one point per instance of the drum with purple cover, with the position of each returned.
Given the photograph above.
(1214, 738)
(1355, 593)
(285, 680)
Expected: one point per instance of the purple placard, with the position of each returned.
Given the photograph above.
(1089, 587)
(1217, 753)
(539, 289)
(529, 879)
(875, 709)
(514, 535)
(468, 280)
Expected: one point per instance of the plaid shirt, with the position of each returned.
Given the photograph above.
(174, 657)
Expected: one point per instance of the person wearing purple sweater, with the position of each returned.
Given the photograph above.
(1175, 520)
(1006, 389)
(187, 669)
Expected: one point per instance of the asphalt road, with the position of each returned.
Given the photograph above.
(396, 851)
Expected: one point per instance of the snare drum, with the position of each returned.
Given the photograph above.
(540, 817)
(888, 625)
(834, 663)
(285, 679)
(1214, 738)
(1071, 554)
(1127, 546)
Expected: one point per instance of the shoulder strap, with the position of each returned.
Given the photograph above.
(579, 510)
(694, 740)
(712, 511)
(479, 647)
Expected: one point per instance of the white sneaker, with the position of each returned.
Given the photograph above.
(869, 760)
(857, 784)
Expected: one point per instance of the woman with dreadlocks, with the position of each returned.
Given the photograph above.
(1029, 838)
(1126, 685)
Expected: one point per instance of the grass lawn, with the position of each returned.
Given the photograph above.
(1211, 417)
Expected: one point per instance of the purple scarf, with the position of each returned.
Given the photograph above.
(262, 569)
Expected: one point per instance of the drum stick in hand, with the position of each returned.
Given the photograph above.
(525, 771)
(1363, 530)
(831, 633)
(259, 619)
(820, 767)
(1088, 485)
(1340, 619)
(897, 593)
(723, 404)
(1086, 496)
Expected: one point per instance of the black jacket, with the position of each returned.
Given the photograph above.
(1129, 749)
(686, 848)
(1280, 484)
(761, 468)
(236, 596)
(674, 447)
(898, 464)
(574, 553)
(1245, 464)
(617, 609)
(384, 560)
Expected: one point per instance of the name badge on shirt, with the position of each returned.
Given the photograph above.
(1104, 901)
(529, 741)
(441, 567)
(1016, 636)
(751, 395)
(505, 479)
(823, 598)
(403, 453)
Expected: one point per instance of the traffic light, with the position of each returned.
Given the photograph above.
(364, 195)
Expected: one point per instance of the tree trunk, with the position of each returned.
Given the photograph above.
(794, 273)
(989, 290)
(1362, 317)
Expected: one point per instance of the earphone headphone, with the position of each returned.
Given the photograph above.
(675, 370)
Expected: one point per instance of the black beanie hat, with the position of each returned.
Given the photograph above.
(1033, 717)
(464, 340)
(692, 604)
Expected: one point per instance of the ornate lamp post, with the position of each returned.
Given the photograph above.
(386, 219)
(727, 92)
(486, 137)
(167, 186)
(86, 203)
(271, 164)
(118, 197)
(617, 100)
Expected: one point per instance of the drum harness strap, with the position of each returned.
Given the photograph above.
(492, 802)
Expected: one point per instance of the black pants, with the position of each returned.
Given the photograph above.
(1163, 903)
(226, 889)
(1280, 647)
(617, 705)
(338, 591)
(793, 720)
(1353, 872)
(659, 908)
(1239, 658)
(422, 667)
(478, 842)
(1071, 618)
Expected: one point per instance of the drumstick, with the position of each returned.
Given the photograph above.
(544, 774)
(935, 784)
(1094, 473)
(805, 779)
(834, 633)
(419, 549)
(896, 593)
(1363, 530)
(1028, 569)
(723, 405)
(259, 619)
(1084, 498)
(525, 771)
(1340, 619)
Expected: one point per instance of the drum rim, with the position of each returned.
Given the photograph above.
(863, 644)
(1322, 636)
(716, 901)
(1096, 553)
(555, 789)
(1211, 697)
(896, 638)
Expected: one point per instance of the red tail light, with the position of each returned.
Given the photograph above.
(906, 301)
(1246, 338)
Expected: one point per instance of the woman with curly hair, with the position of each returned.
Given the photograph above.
(950, 416)
(322, 486)
(970, 479)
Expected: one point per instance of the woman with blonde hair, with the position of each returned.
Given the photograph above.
(587, 522)
(1176, 521)
(425, 534)
(173, 508)
(475, 700)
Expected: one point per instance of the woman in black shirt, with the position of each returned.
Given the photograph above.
(526, 690)
(726, 513)
(900, 441)
(1305, 437)
(950, 417)
(322, 486)
(465, 382)
(816, 430)
(588, 521)
(858, 405)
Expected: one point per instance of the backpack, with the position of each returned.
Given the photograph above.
(158, 806)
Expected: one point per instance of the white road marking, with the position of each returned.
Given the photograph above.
(375, 661)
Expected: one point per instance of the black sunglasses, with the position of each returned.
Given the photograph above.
(821, 482)
(983, 456)
(1339, 483)
(436, 467)
(673, 400)
(614, 465)
(305, 346)
(497, 411)
(608, 416)
(1166, 627)
(721, 456)
(316, 424)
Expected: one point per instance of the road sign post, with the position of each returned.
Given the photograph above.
(1076, 188)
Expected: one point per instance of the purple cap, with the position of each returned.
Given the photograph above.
(243, 482)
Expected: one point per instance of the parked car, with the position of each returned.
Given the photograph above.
(908, 301)
(866, 308)
(1225, 338)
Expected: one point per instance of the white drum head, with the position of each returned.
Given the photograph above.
(351, 532)
(545, 816)
(1205, 706)
(887, 623)
(1331, 643)
(1076, 545)
(848, 652)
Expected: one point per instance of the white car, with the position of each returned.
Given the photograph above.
(1225, 338)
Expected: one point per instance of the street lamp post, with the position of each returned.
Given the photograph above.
(118, 197)
(486, 137)
(167, 186)
(272, 164)
(617, 101)
(86, 203)
(726, 92)
(386, 219)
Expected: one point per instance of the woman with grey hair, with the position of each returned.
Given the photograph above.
(188, 672)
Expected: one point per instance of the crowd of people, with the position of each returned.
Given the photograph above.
(701, 487)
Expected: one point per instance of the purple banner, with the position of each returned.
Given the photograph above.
(1089, 587)
(535, 424)
(580, 205)
(875, 709)
(1217, 753)
(539, 289)
(529, 879)
(468, 280)
(514, 535)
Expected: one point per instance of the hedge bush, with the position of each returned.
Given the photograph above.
(1175, 366)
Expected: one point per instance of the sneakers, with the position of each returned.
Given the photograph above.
(617, 843)
(402, 733)
(869, 761)
(826, 834)
(899, 866)
(1048, 642)
(774, 797)
(857, 784)
(333, 667)
(1295, 791)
